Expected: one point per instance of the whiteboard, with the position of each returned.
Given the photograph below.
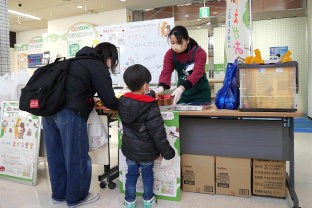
(19, 144)
(142, 43)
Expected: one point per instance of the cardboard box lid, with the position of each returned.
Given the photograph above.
(196, 160)
(230, 161)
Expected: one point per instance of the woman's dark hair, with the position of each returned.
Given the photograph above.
(136, 76)
(108, 50)
(180, 33)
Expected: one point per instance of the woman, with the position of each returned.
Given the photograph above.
(188, 59)
(65, 133)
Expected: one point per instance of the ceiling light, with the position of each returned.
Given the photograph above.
(122, 0)
(223, 25)
(145, 10)
(199, 27)
(25, 15)
(198, 19)
(208, 23)
(188, 4)
(79, 7)
(187, 15)
(215, 13)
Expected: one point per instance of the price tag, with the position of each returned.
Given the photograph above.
(279, 70)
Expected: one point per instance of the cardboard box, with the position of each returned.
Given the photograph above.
(269, 178)
(198, 173)
(233, 176)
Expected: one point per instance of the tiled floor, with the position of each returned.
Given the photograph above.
(14, 195)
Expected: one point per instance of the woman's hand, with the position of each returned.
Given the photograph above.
(159, 90)
(177, 94)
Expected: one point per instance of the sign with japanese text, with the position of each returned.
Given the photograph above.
(21, 61)
(203, 12)
(73, 47)
(237, 30)
(276, 53)
(35, 60)
(19, 144)
(35, 43)
(167, 180)
(142, 42)
(81, 30)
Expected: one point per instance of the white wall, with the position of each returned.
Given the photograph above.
(103, 18)
(309, 17)
(25, 37)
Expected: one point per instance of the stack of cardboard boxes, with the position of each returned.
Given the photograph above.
(233, 176)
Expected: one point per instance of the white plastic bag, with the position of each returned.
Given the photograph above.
(5, 88)
(96, 132)
(19, 81)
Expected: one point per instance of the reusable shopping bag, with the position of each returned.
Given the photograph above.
(228, 96)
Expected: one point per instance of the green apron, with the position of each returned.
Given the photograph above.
(201, 90)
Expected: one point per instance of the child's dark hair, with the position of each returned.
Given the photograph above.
(136, 76)
(108, 50)
(180, 33)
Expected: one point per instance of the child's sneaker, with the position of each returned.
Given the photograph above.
(150, 203)
(129, 204)
(90, 199)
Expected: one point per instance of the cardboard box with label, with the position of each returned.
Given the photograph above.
(233, 176)
(198, 173)
(269, 178)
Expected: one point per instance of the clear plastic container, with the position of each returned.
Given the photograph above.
(270, 87)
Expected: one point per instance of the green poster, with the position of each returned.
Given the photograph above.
(219, 67)
(73, 47)
(167, 179)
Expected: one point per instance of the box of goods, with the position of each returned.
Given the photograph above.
(165, 100)
(233, 176)
(269, 178)
(198, 173)
(268, 87)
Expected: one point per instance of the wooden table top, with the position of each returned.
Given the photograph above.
(214, 112)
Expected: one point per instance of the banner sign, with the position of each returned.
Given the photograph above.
(20, 47)
(237, 30)
(54, 37)
(81, 30)
(35, 43)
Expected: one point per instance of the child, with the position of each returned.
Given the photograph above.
(144, 135)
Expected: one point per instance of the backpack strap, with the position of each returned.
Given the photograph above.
(67, 68)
